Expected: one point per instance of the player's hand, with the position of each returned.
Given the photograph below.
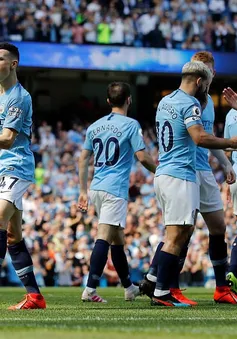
(83, 202)
(229, 174)
(231, 97)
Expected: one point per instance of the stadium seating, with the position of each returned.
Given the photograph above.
(182, 24)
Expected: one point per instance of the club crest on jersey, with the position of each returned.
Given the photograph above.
(14, 111)
(2, 108)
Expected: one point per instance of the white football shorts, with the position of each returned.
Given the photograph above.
(179, 200)
(12, 189)
(111, 210)
(233, 192)
(210, 197)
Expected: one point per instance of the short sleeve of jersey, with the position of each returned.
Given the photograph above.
(87, 143)
(192, 115)
(136, 138)
(16, 110)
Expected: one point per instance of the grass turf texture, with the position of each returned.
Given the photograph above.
(66, 317)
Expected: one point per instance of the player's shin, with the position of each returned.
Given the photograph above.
(218, 256)
(162, 297)
(166, 264)
(97, 263)
(121, 264)
(23, 265)
(152, 273)
(175, 279)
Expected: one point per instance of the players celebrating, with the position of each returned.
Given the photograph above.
(16, 172)
(211, 208)
(113, 140)
(179, 129)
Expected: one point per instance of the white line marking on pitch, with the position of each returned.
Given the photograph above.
(114, 319)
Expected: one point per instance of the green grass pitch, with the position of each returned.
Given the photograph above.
(67, 317)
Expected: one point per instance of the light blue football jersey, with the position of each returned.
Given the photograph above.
(231, 131)
(113, 139)
(208, 117)
(177, 112)
(16, 113)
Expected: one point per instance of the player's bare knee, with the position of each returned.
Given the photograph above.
(218, 229)
(215, 222)
(118, 238)
(176, 237)
(13, 239)
(105, 232)
(3, 223)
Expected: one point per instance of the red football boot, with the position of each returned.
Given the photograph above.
(177, 294)
(31, 301)
(224, 295)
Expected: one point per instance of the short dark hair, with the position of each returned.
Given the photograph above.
(117, 93)
(11, 49)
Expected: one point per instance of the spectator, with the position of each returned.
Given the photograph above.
(201, 10)
(187, 11)
(232, 8)
(55, 15)
(147, 23)
(208, 32)
(197, 44)
(129, 31)
(77, 33)
(177, 34)
(117, 31)
(13, 27)
(66, 33)
(29, 28)
(103, 32)
(90, 30)
(165, 27)
(217, 9)
(44, 30)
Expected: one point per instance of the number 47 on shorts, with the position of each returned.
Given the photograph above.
(8, 183)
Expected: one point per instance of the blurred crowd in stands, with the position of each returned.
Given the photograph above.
(182, 24)
(60, 238)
